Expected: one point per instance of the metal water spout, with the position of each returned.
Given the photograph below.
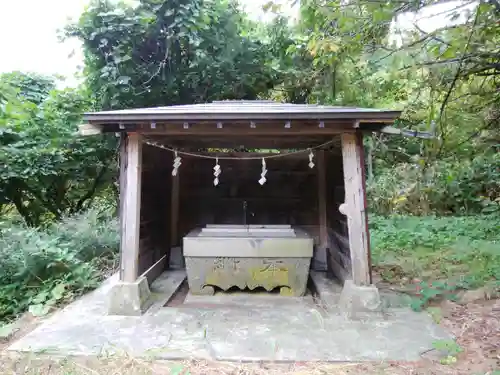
(245, 213)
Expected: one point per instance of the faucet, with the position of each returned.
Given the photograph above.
(245, 213)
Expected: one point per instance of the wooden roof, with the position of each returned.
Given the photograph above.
(243, 110)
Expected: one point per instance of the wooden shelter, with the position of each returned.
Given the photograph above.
(157, 209)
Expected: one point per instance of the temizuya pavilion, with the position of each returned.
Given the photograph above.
(241, 164)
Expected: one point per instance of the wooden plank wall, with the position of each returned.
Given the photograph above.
(288, 196)
(339, 257)
(155, 206)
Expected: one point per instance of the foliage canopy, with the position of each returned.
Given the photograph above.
(171, 52)
(47, 171)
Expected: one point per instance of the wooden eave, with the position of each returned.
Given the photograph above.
(240, 118)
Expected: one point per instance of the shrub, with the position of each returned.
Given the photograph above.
(443, 187)
(41, 267)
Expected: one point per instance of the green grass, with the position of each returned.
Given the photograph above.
(443, 253)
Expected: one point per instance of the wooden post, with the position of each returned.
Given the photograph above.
(131, 206)
(174, 213)
(354, 207)
(122, 181)
(323, 225)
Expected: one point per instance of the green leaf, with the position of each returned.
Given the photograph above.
(449, 53)
(179, 369)
(417, 304)
(8, 330)
(436, 313)
(58, 291)
(39, 309)
(448, 360)
(40, 297)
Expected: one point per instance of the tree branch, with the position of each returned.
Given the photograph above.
(453, 83)
(91, 192)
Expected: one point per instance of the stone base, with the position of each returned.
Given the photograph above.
(129, 299)
(355, 298)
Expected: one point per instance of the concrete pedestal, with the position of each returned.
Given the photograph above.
(355, 298)
(129, 299)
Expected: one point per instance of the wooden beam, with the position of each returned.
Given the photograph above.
(354, 207)
(246, 142)
(129, 245)
(290, 158)
(322, 220)
(244, 133)
(242, 128)
(152, 273)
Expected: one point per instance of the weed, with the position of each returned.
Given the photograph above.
(438, 256)
(451, 348)
(179, 369)
(448, 346)
(436, 314)
(40, 268)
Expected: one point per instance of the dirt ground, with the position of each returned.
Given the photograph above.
(476, 327)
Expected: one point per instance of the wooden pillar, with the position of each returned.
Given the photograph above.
(322, 220)
(354, 207)
(122, 181)
(174, 211)
(130, 205)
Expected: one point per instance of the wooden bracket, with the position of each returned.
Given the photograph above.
(407, 133)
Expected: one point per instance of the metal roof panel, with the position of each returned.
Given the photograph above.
(241, 110)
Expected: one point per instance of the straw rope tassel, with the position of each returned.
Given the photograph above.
(311, 157)
(177, 164)
(263, 179)
(217, 172)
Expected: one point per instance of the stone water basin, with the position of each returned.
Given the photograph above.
(248, 256)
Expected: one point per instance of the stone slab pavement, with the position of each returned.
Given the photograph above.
(242, 327)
